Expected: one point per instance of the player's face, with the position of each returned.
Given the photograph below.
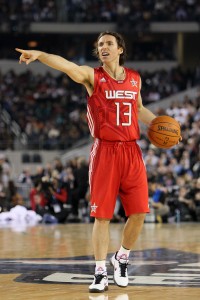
(108, 49)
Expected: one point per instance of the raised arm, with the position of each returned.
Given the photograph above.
(80, 74)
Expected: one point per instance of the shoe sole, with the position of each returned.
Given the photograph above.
(122, 286)
(98, 291)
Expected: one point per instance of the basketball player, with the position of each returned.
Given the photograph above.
(116, 164)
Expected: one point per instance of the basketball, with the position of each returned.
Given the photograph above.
(164, 132)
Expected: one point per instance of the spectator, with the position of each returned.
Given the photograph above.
(186, 205)
(37, 199)
(158, 202)
(197, 197)
(80, 186)
(3, 199)
(55, 196)
(5, 170)
(25, 177)
(12, 195)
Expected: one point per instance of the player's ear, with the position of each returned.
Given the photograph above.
(121, 50)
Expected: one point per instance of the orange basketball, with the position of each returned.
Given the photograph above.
(164, 132)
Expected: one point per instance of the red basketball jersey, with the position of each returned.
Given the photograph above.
(112, 110)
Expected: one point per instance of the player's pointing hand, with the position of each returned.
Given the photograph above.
(27, 56)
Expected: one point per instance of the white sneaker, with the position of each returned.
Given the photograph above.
(122, 297)
(101, 297)
(120, 270)
(99, 284)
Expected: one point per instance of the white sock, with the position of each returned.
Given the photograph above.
(100, 266)
(123, 253)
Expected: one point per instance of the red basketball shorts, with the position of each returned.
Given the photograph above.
(117, 168)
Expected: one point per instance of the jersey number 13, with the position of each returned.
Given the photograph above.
(127, 113)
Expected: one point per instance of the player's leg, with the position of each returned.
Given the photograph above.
(132, 230)
(100, 238)
(104, 185)
(120, 259)
(100, 241)
(134, 197)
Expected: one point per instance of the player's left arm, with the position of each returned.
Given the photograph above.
(144, 114)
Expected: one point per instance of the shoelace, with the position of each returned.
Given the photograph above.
(123, 268)
(98, 278)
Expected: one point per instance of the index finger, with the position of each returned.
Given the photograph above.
(20, 50)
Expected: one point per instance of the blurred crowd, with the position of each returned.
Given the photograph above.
(59, 192)
(51, 111)
(130, 17)
(78, 48)
(174, 174)
(99, 11)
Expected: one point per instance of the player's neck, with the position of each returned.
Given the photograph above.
(117, 73)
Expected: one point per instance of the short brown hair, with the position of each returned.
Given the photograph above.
(120, 43)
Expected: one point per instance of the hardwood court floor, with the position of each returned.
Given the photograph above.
(55, 262)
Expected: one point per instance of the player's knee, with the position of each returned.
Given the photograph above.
(102, 220)
(138, 217)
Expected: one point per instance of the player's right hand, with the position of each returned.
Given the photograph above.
(28, 56)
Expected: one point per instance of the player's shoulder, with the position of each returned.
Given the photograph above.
(87, 68)
(98, 69)
(132, 71)
(99, 72)
(89, 72)
(91, 69)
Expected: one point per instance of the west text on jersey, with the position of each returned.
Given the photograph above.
(120, 94)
